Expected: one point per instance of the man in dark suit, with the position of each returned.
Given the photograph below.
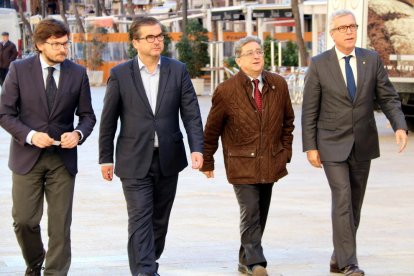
(39, 99)
(8, 53)
(339, 130)
(147, 94)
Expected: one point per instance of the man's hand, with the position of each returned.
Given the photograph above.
(401, 139)
(209, 174)
(107, 172)
(314, 158)
(196, 160)
(69, 139)
(42, 140)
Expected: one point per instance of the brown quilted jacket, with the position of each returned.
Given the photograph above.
(256, 146)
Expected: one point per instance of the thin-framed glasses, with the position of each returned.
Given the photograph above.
(344, 28)
(151, 38)
(57, 45)
(251, 53)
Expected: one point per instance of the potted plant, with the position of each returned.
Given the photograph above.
(193, 51)
(93, 48)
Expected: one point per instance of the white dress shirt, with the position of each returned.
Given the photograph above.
(352, 62)
(151, 83)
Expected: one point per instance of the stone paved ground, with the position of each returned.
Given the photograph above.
(203, 238)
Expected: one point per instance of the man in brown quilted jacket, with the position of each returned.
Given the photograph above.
(253, 115)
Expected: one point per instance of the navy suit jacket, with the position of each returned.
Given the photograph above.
(23, 107)
(331, 122)
(126, 100)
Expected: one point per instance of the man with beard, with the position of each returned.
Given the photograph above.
(40, 97)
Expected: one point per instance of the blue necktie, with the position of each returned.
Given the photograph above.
(350, 81)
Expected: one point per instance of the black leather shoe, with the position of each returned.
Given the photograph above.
(244, 269)
(350, 270)
(36, 269)
(33, 271)
(353, 270)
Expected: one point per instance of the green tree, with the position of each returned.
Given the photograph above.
(267, 50)
(290, 54)
(193, 48)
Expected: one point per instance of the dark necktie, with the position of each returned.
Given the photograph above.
(257, 95)
(51, 88)
(350, 80)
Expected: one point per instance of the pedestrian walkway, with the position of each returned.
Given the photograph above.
(203, 237)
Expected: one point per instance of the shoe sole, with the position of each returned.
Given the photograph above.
(260, 271)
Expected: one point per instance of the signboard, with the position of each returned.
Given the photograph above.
(280, 13)
(232, 15)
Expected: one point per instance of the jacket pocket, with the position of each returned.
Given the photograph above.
(241, 163)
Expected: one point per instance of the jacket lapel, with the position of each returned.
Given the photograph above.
(64, 77)
(136, 77)
(336, 73)
(38, 82)
(361, 69)
(164, 74)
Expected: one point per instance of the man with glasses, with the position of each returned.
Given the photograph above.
(339, 131)
(40, 96)
(253, 115)
(148, 93)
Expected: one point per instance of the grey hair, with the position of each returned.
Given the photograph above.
(339, 13)
(239, 44)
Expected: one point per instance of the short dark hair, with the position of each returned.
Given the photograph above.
(48, 28)
(5, 33)
(135, 29)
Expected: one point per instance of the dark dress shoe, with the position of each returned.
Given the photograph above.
(35, 270)
(350, 270)
(353, 270)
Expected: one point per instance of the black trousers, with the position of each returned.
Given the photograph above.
(348, 181)
(254, 201)
(149, 202)
(3, 73)
(49, 178)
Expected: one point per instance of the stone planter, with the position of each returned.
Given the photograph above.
(95, 77)
(198, 86)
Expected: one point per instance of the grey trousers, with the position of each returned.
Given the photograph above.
(48, 179)
(348, 181)
(254, 201)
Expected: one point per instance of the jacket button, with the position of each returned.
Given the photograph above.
(252, 154)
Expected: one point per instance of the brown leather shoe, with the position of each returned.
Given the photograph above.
(259, 270)
(244, 269)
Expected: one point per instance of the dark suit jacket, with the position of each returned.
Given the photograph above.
(23, 107)
(126, 99)
(331, 123)
(8, 53)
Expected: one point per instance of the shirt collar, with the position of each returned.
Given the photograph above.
(341, 55)
(141, 65)
(44, 64)
(260, 78)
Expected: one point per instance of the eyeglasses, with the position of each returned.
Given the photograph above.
(151, 38)
(344, 29)
(251, 53)
(57, 45)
